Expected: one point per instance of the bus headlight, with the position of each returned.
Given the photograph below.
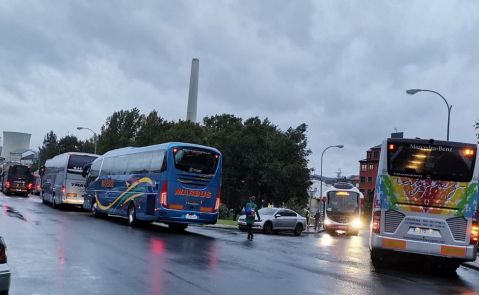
(357, 223)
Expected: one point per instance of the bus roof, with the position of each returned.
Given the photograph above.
(429, 141)
(342, 186)
(163, 146)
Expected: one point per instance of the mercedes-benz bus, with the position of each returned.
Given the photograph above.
(62, 181)
(173, 183)
(343, 204)
(426, 201)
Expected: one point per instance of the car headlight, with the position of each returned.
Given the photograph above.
(357, 223)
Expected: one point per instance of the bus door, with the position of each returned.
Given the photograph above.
(194, 182)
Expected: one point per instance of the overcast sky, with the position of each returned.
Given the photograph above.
(342, 67)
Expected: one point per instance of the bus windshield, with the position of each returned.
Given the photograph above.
(76, 163)
(343, 202)
(195, 161)
(436, 162)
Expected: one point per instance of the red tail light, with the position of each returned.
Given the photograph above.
(7, 184)
(164, 195)
(474, 233)
(218, 199)
(376, 222)
(38, 187)
(30, 185)
(63, 189)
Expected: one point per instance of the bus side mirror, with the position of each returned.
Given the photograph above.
(41, 170)
(86, 170)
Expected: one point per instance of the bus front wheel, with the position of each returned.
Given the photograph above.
(132, 221)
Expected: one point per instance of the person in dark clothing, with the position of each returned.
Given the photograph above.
(251, 211)
(308, 216)
(317, 216)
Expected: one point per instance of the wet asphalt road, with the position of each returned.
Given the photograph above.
(70, 252)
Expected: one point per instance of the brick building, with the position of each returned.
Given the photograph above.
(368, 170)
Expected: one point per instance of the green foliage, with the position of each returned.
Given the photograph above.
(477, 128)
(120, 130)
(224, 212)
(258, 157)
(52, 147)
(297, 205)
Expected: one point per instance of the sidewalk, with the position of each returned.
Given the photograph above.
(472, 264)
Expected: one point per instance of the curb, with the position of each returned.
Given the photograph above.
(470, 265)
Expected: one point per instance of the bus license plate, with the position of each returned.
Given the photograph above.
(427, 232)
(191, 216)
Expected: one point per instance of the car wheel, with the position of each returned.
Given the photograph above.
(268, 228)
(4, 292)
(298, 229)
(132, 214)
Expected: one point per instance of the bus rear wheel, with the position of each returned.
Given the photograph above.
(377, 258)
(177, 227)
(132, 221)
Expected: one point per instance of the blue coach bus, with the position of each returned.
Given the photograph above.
(174, 183)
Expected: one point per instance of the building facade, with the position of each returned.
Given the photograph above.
(368, 170)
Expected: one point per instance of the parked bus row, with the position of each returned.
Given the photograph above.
(174, 183)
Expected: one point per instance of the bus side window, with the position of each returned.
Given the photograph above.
(157, 161)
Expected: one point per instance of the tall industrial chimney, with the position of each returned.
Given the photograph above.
(193, 93)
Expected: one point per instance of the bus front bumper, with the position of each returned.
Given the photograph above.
(464, 253)
(71, 201)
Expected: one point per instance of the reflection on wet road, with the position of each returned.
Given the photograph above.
(69, 252)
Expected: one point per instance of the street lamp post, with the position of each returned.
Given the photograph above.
(449, 107)
(340, 146)
(94, 135)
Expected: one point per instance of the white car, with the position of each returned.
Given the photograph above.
(4, 269)
(274, 220)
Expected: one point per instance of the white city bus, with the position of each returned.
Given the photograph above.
(425, 201)
(62, 180)
(343, 204)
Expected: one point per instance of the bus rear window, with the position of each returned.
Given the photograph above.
(195, 161)
(76, 163)
(20, 172)
(437, 162)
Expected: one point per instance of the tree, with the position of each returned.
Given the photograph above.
(152, 130)
(477, 128)
(120, 130)
(49, 149)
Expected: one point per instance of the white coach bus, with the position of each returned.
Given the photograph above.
(62, 180)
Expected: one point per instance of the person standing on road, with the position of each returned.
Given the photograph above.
(251, 211)
(308, 216)
(317, 216)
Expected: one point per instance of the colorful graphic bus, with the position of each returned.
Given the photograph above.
(426, 200)
(343, 204)
(174, 183)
